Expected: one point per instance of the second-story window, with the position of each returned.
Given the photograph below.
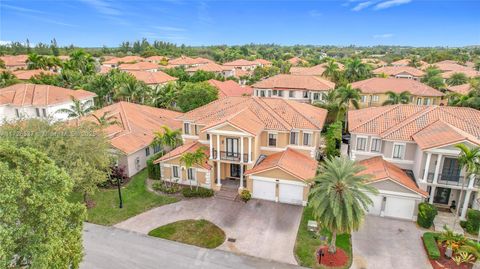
(376, 144)
(291, 94)
(37, 110)
(419, 101)
(305, 94)
(147, 151)
(195, 128)
(191, 174)
(294, 138)
(375, 98)
(307, 139)
(17, 113)
(363, 98)
(361, 143)
(186, 128)
(44, 111)
(156, 148)
(398, 151)
(272, 140)
(175, 173)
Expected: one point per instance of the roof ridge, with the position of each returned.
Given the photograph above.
(272, 112)
(408, 120)
(454, 115)
(126, 121)
(376, 117)
(299, 112)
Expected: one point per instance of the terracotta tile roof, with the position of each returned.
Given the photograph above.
(316, 70)
(380, 170)
(285, 82)
(184, 60)
(28, 74)
(469, 73)
(126, 59)
(402, 122)
(401, 62)
(273, 113)
(241, 73)
(138, 66)
(397, 85)
(241, 62)
(229, 88)
(156, 58)
(374, 62)
(263, 62)
(23, 94)
(152, 78)
(210, 67)
(449, 65)
(178, 151)
(136, 124)
(290, 161)
(15, 61)
(441, 133)
(460, 89)
(295, 60)
(395, 70)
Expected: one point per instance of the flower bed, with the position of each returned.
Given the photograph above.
(332, 260)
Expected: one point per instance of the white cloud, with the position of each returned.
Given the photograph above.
(314, 13)
(382, 36)
(391, 3)
(363, 5)
(103, 7)
(170, 29)
(21, 9)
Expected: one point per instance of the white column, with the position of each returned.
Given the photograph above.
(249, 149)
(437, 168)
(427, 167)
(219, 182)
(211, 147)
(241, 150)
(241, 176)
(471, 182)
(465, 204)
(218, 147)
(432, 193)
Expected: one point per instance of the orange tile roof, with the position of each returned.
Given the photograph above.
(263, 61)
(460, 89)
(402, 122)
(241, 73)
(273, 113)
(241, 62)
(126, 59)
(152, 78)
(138, 66)
(136, 124)
(469, 73)
(184, 60)
(316, 70)
(295, 60)
(230, 88)
(12, 61)
(23, 94)
(285, 82)
(210, 67)
(401, 62)
(449, 65)
(380, 170)
(373, 61)
(441, 133)
(28, 74)
(395, 70)
(290, 161)
(156, 58)
(397, 85)
(178, 151)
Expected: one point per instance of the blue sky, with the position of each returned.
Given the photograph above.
(358, 22)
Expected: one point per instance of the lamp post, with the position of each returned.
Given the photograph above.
(119, 192)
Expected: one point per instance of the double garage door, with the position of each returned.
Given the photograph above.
(391, 206)
(287, 193)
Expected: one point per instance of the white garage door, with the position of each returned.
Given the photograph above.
(263, 190)
(290, 194)
(376, 207)
(399, 208)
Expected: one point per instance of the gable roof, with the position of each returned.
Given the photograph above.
(295, 60)
(316, 70)
(178, 151)
(136, 124)
(397, 85)
(262, 61)
(24, 94)
(184, 60)
(274, 114)
(395, 70)
(241, 62)
(28, 74)
(290, 161)
(449, 65)
(138, 66)
(380, 170)
(469, 73)
(210, 67)
(460, 89)
(286, 81)
(417, 123)
(12, 61)
(151, 78)
(126, 59)
(229, 88)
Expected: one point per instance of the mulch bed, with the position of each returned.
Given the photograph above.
(446, 263)
(337, 259)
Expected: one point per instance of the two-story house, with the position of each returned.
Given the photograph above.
(221, 70)
(265, 145)
(407, 72)
(420, 140)
(26, 101)
(306, 89)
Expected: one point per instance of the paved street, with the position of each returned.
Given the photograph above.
(388, 243)
(261, 228)
(108, 247)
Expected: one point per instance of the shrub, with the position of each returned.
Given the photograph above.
(200, 192)
(473, 221)
(154, 169)
(161, 186)
(245, 195)
(426, 215)
(430, 242)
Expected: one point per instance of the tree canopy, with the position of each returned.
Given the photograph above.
(195, 95)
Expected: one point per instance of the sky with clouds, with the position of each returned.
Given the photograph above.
(211, 22)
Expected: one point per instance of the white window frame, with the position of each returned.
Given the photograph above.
(379, 144)
(194, 175)
(291, 94)
(297, 135)
(186, 128)
(275, 92)
(375, 98)
(419, 101)
(268, 139)
(178, 172)
(366, 143)
(17, 113)
(363, 98)
(403, 153)
(44, 111)
(147, 151)
(310, 135)
(37, 111)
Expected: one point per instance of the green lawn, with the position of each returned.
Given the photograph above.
(307, 243)
(200, 233)
(136, 199)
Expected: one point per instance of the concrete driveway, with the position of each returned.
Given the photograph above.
(260, 228)
(388, 243)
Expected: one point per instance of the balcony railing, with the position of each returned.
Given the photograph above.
(229, 156)
(450, 180)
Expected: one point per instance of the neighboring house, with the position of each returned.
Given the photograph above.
(140, 66)
(153, 78)
(420, 139)
(406, 62)
(22, 74)
(230, 88)
(115, 62)
(267, 146)
(374, 91)
(243, 64)
(376, 63)
(449, 65)
(316, 70)
(186, 62)
(400, 72)
(296, 61)
(156, 59)
(24, 101)
(133, 134)
(299, 88)
(224, 71)
(469, 73)
(263, 62)
(463, 89)
(14, 62)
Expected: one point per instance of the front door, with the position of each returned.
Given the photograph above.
(234, 170)
(441, 195)
(451, 170)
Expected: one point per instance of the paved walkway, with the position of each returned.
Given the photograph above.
(387, 243)
(446, 218)
(260, 228)
(108, 247)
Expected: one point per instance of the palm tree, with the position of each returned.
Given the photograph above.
(397, 98)
(163, 96)
(331, 70)
(382, 75)
(7, 78)
(414, 62)
(106, 119)
(35, 61)
(471, 99)
(457, 79)
(131, 90)
(470, 160)
(190, 159)
(331, 103)
(168, 137)
(356, 70)
(346, 96)
(77, 109)
(339, 198)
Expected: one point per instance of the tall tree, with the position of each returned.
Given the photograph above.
(355, 70)
(194, 95)
(106, 119)
(39, 227)
(348, 96)
(332, 70)
(78, 109)
(168, 137)
(164, 96)
(7, 79)
(340, 198)
(457, 78)
(397, 98)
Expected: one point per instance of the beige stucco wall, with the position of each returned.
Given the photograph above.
(388, 185)
(201, 172)
(382, 97)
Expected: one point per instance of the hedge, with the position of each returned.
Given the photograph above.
(430, 242)
(154, 169)
(201, 192)
(426, 215)
(473, 221)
